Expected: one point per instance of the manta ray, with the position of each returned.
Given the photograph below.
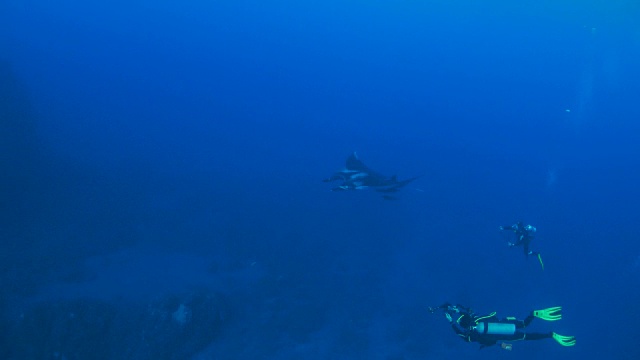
(357, 176)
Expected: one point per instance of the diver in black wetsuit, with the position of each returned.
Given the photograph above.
(524, 235)
(487, 330)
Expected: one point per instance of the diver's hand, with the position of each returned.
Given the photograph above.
(449, 317)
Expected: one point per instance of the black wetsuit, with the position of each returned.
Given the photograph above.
(523, 236)
(473, 328)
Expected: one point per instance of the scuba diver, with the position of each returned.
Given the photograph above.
(487, 330)
(524, 235)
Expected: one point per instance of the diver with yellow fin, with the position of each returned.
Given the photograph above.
(524, 235)
(488, 330)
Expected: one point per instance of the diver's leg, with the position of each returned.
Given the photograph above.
(517, 336)
(538, 336)
(527, 320)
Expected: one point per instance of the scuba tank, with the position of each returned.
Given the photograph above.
(495, 328)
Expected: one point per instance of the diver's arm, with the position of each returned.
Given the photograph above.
(444, 307)
(524, 238)
(508, 227)
(454, 324)
(460, 331)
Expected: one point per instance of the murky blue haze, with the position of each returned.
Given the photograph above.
(161, 191)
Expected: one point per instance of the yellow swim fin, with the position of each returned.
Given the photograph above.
(549, 314)
(541, 263)
(564, 340)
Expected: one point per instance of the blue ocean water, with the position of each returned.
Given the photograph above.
(161, 194)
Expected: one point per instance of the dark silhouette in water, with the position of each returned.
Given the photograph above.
(358, 176)
(488, 330)
(524, 235)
